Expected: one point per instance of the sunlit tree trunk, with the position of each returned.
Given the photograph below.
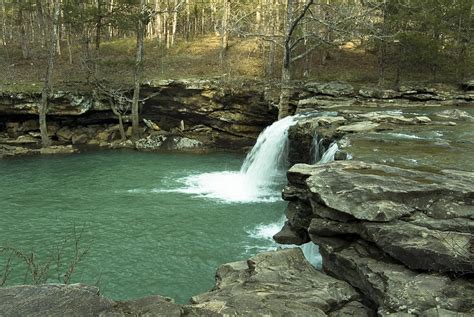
(175, 23)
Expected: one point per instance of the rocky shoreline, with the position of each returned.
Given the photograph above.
(396, 237)
(200, 115)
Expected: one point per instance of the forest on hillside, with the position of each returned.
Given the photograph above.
(388, 40)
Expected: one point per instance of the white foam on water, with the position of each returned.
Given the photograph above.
(228, 187)
(266, 231)
(263, 170)
(404, 136)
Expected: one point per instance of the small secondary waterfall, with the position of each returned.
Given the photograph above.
(262, 171)
(327, 155)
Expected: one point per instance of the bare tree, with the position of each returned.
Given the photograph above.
(48, 82)
(142, 21)
(292, 21)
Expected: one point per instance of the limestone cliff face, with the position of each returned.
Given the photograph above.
(205, 111)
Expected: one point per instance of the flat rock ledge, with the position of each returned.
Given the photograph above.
(403, 238)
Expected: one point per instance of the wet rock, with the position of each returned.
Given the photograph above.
(275, 283)
(23, 139)
(58, 149)
(288, 235)
(11, 151)
(333, 88)
(302, 137)
(370, 92)
(455, 114)
(364, 126)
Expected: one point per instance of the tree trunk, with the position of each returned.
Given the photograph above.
(98, 25)
(41, 23)
(285, 92)
(138, 71)
(224, 30)
(23, 38)
(284, 105)
(43, 107)
(4, 23)
(175, 23)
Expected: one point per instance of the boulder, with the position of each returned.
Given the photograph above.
(81, 138)
(64, 134)
(277, 283)
(186, 143)
(151, 143)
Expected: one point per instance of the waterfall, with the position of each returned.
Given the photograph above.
(268, 158)
(316, 149)
(328, 155)
(259, 178)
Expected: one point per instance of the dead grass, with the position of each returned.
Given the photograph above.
(198, 58)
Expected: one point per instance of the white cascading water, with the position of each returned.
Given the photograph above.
(328, 155)
(310, 250)
(268, 158)
(316, 149)
(262, 169)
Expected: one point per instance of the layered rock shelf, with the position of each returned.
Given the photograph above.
(208, 114)
(177, 115)
(403, 238)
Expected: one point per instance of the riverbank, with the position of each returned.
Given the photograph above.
(200, 115)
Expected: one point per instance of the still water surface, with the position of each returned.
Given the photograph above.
(149, 233)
